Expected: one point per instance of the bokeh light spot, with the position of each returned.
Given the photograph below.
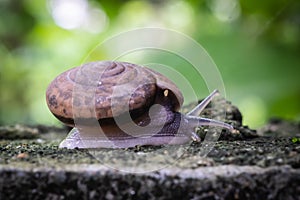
(75, 14)
(254, 111)
(225, 10)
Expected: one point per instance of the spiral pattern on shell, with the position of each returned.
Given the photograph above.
(72, 90)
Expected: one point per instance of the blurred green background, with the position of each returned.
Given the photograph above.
(255, 44)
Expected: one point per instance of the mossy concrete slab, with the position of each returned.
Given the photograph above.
(241, 165)
(82, 181)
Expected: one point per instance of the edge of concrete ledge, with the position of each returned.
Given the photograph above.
(97, 181)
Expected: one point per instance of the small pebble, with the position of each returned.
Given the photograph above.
(22, 155)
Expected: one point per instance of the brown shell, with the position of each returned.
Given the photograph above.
(105, 89)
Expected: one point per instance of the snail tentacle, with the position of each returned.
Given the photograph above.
(194, 121)
(199, 108)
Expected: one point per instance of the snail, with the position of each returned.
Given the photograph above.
(118, 105)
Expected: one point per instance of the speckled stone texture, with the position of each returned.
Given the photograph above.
(96, 182)
(248, 164)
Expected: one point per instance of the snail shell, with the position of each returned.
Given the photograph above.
(106, 91)
(107, 75)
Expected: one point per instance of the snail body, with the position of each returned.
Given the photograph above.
(120, 105)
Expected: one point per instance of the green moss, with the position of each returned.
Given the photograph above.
(296, 140)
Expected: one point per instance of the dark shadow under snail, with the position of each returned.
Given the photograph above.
(132, 105)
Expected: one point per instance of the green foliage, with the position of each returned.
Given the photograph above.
(255, 45)
(295, 140)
